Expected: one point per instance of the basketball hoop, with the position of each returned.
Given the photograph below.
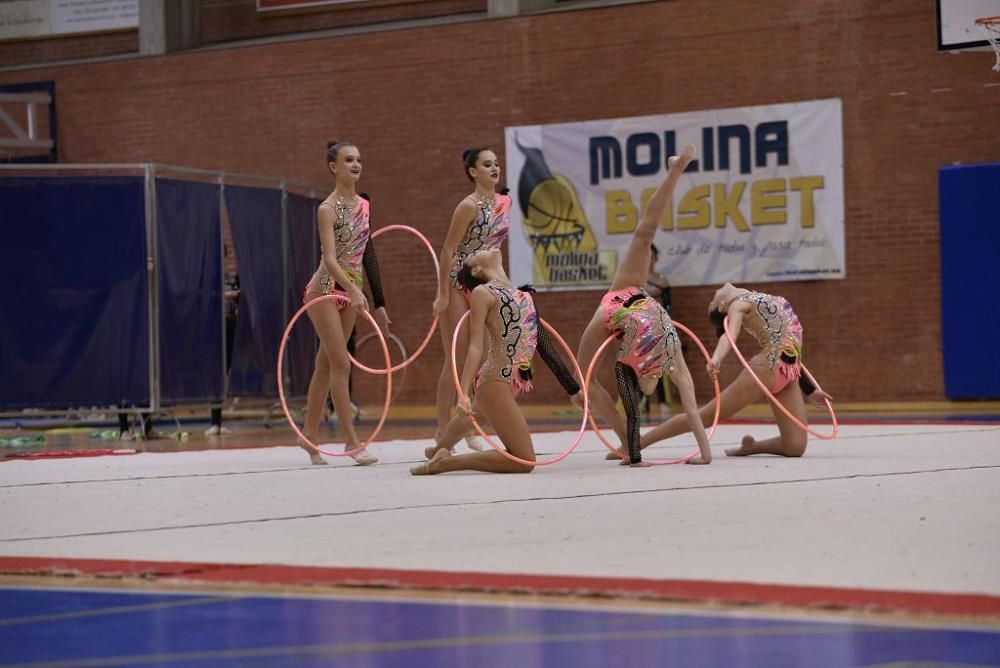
(990, 26)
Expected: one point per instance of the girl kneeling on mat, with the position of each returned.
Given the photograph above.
(502, 318)
(772, 322)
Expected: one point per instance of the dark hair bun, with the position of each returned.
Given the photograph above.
(333, 148)
(717, 317)
(465, 279)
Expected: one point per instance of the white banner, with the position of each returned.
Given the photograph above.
(763, 201)
(42, 18)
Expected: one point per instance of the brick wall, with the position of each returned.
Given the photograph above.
(227, 20)
(413, 99)
(73, 47)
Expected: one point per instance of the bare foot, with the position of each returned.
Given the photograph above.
(433, 466)
(612, 456)
(746, 448)
(315, 458)
(698, 459)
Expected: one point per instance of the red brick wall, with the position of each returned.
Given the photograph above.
(54, 49)
(412, 100)
(239, 19)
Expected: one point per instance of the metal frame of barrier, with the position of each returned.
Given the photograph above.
(151, 172)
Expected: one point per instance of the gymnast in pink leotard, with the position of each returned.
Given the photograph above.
(355, 252)
(344, 232)
(504, 335)
(647, 347)
(773, 323)
(479, 223)
(648, 340)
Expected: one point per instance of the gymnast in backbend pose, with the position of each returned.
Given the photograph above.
(771, 321)
(503, 318)
(647, 346)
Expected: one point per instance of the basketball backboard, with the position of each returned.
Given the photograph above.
(956, 24)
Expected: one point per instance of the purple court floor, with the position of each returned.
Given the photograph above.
(77, 628)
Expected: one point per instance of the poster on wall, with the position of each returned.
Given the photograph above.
(49, 18)
(275, 5)
(762, 201)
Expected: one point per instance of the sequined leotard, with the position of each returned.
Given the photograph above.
(486, 232)
(355, 250)
(511, 338)
(773, 323)
(648, 340)
(647, 350)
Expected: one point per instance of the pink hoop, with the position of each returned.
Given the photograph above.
(397, 386)
(281, 384)
(774, 399)
(661, 462)
(430, 332)
(499, 448)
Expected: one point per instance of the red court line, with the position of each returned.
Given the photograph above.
(678, 590)
(52, 454)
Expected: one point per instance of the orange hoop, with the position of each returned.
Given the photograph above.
(774, 400)
(397, 382)
(496, 446)
(621, 453)
(434, 321)
(281, 386)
